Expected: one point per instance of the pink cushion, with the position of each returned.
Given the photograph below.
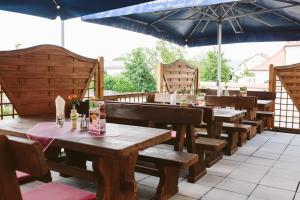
(23, 177)
(57, 191)
(173, 133)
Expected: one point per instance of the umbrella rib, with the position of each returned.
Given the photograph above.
(280, 15)
(236, 20)
(164, 17)
(260, 12)
(197, 25)
(253, 17)
(226, 12)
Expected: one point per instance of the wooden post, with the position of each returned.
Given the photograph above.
(196, 84)
(160, 81)
(272, 88)
(99, 79)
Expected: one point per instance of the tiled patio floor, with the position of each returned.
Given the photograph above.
(266, 168)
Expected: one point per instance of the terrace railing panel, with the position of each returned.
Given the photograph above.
(285, 81)
(177, 76)
(33, 77)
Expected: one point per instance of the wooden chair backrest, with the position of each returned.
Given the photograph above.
(165, 98)
(18, 154)
(249, 103)
(177, 76)
(152, 113)
(261, 95)
(32, 78)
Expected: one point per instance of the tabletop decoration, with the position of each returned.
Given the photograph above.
(60, 111)
(243, 91)
(97, 117)
(73, 100)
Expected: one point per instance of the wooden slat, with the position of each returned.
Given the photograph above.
(33, 77)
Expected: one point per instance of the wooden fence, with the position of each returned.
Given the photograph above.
(285, 81)
(33, 77)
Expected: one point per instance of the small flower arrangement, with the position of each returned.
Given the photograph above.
(73, 100)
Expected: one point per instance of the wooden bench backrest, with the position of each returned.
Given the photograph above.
(165, 98)
(18, 154)
(177, 76)
(261, 95)
(153, 113)
(231, 101)
(32, 78)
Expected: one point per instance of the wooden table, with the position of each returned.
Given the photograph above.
(264, 104)
(226, 115)
(114, 158)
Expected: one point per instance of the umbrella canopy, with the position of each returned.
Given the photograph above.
(66, 9)
(193, 22)
(209, 22)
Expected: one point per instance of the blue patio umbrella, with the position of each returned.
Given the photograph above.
(66, 9)
(209, 22)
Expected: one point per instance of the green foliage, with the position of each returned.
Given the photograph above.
(209, 67)
(247, 73)
(167, 52)
(138, 72)
(137, 76)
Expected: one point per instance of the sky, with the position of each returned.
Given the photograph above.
(92, 40)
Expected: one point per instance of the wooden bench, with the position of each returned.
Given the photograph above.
(27, 156)
(264, 116)
(239, 103)
(160, 116)
(245, 131)
(167, 166)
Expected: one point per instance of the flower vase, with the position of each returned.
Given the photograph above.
(73, 117)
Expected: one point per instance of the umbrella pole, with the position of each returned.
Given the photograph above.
(62, 33)
(219, 71)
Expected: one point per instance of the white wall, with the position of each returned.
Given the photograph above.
(292, 55)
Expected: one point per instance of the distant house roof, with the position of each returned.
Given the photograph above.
(277, 59)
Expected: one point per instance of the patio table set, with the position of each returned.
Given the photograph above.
(115, 154)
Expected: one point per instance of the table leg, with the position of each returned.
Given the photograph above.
(214, 131)
(197, 170)
(115, 177)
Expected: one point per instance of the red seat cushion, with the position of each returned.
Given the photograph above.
(57, 191)
(23, 177)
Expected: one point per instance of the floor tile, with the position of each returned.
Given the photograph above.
(181, 197)
(145, 193)
(223, 168)
(269, 193)
(236, 186)
(236, 158)
(139, 176)
(273, 147)
(266, 155)
(150, 181)
(260, 161)
(217, 194)
(246, 150)
(210, 180)
(279, 182)
(292, 151)
(192, 190)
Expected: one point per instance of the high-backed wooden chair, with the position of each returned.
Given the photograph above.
(32, 78)
(27, 156)
(177, 76)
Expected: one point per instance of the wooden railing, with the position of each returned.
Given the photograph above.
(137, 97)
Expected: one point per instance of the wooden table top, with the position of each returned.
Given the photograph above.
(227, 115)
(130, 139)
(264, 103)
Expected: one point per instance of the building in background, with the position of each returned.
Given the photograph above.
(113, 67)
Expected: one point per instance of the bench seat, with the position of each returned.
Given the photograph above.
(167, 166)
(257, 123)
(264, 116)
(245, 131)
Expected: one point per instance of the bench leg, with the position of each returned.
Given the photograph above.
(242, 138)
(251, 133)
(168, 182)
(232, 143)
(212, 157)
(197, 170)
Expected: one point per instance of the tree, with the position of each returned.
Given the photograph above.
(138, 71)
(167, 52)
(209, 67)
(247, 73)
